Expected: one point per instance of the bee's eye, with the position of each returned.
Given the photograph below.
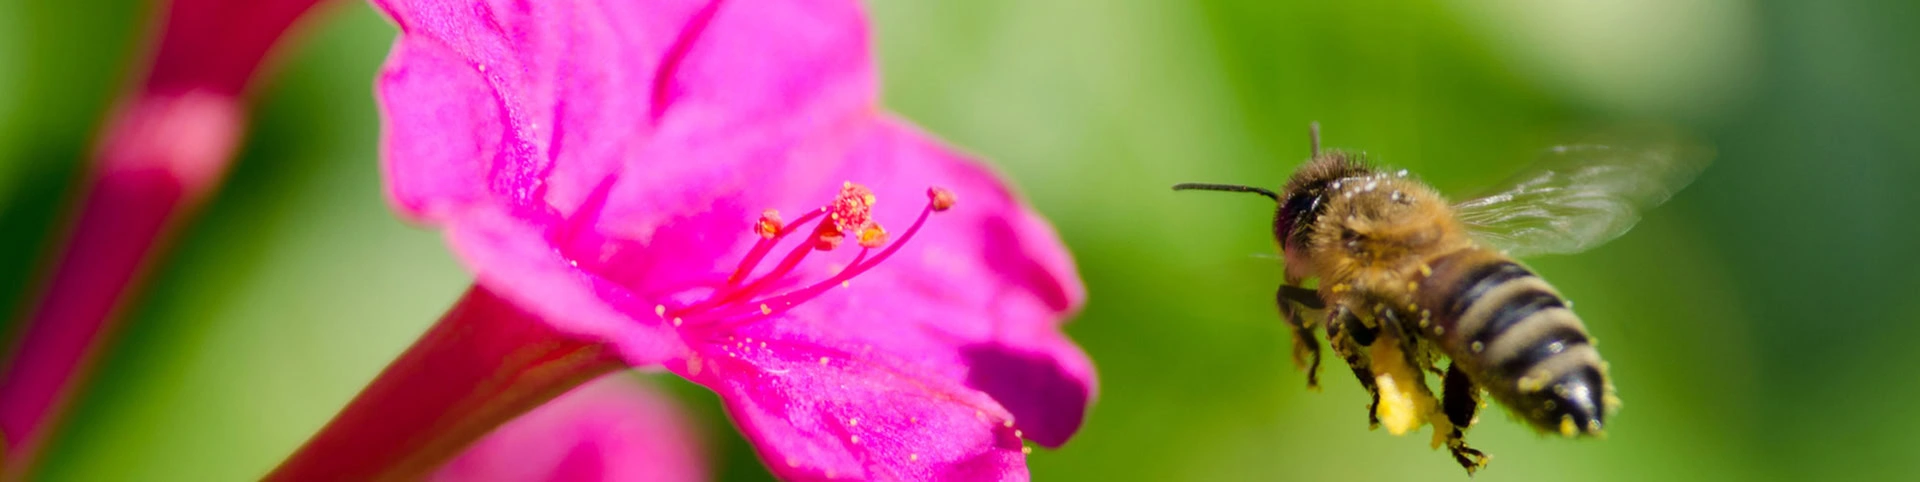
(1298, 209)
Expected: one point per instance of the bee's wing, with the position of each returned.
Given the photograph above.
(1580, 196)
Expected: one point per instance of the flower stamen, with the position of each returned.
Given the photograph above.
(782, 303)
(769, 219)
(849, 215)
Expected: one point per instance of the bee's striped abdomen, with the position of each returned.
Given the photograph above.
(1515, 336)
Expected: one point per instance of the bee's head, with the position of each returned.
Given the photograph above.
(1303, 198)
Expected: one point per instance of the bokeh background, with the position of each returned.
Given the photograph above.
(1762, 325)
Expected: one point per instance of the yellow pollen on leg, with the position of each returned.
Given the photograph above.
(1567, 429)
(1404, 403)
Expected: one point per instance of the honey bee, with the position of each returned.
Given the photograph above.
(1407, 280)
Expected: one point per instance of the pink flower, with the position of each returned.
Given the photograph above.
(605, 166)
(612, 429)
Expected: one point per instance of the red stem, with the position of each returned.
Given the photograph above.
(159, 158)
(483, 364)
(161, 154)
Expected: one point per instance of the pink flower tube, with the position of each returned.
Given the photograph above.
(163, 150)
(712, 187)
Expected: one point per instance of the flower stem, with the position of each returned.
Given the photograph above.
(160, 157)
(481, 365)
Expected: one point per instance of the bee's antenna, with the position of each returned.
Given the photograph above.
(1313, 137)
(1195, 186)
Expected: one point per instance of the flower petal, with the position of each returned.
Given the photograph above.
(979, 293)
(818, 411)
(520, 267)
(531, 106)
(613, 429)
(625, 142)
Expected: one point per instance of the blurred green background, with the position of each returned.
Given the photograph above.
(1760, 326)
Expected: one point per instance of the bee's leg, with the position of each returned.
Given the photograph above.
(1349, 336)
(1412, 343)
(1306, 348)
(1461, 403)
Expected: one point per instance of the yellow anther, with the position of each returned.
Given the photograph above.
(676, 321)
(764, 310)
(823, 360)
(1008, 423)
(913, 457)
(769, 224)
(1425, 270)
(1025, 450)
(873, 236)
(853, 422)
(660, 310)
(942, 198)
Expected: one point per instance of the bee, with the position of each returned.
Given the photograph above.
(1407, 280)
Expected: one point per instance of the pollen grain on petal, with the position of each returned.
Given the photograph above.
(941, 197)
